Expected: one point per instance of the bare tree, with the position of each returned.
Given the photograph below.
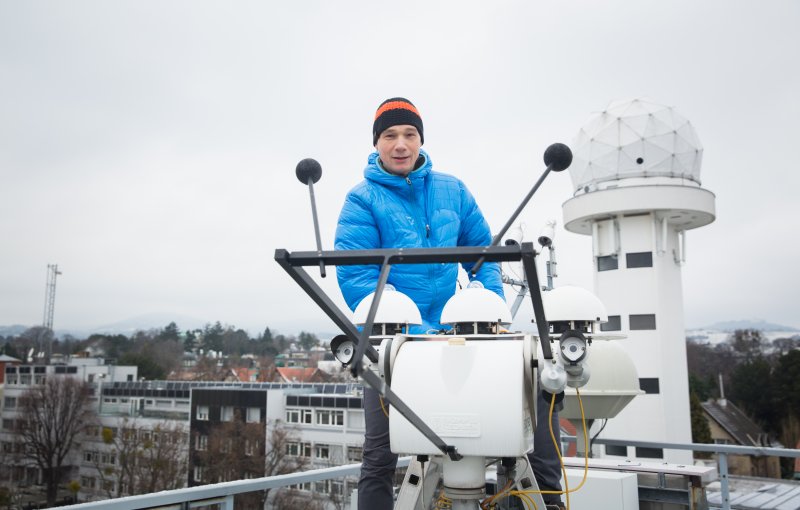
(147, 459)
(289, 499)
(209, 369)
(51, 416)
(235, 450)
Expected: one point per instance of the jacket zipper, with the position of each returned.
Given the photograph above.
(416, 207)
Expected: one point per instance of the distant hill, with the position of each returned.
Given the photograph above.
(149, 321)
(12, 330)
(760, 325)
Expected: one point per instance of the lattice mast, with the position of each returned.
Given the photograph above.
(49, 306)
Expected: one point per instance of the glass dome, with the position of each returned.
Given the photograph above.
(635, 138)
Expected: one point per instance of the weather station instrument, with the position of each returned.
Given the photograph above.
(466, 398)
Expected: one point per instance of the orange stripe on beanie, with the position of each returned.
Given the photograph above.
(396, 111)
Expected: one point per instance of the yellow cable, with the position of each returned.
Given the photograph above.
(500, 494)
(585, 442)
(558, 448)
(526, 499)
(385, 412)
(443, 501)
(567, 491)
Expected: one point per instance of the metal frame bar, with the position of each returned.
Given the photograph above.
(292, 263)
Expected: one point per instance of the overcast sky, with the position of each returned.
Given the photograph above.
(148, 148)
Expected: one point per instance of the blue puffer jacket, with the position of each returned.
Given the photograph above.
(426, 209)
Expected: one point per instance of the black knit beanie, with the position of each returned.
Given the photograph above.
(396, 111)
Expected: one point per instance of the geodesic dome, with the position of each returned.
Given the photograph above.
(635, 138)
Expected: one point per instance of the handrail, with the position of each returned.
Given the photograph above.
(223, 493)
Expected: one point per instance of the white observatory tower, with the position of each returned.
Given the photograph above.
(636, 182)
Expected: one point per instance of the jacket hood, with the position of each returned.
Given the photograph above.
(375, 173)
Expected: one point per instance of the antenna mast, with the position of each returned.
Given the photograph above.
(49, 306)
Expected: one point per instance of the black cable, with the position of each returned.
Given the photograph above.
(605, 422)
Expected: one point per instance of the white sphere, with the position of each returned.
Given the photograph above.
(475, 304)
(394, 308)
(635, 138)
(571, 303)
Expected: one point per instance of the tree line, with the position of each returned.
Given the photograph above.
(760, 377)
(157, 352)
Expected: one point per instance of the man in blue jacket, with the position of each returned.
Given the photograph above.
(403, 203)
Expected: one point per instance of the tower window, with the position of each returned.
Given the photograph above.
(639, 259)
(649, 385)
(620, 451)
(607, 263)
(614, 324)
(643, 321)
(649, 453)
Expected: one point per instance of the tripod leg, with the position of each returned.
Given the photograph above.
(525, 481)
(411, 496)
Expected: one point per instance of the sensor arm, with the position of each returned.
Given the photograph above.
(529, 265)
(315, 292)
(358, 361)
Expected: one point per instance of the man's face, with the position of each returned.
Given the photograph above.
(398, 148)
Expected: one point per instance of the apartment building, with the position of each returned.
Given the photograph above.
(18, 468)
(323, 424)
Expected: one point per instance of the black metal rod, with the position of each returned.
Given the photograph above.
(513, 217)
(386, 392)
(535, 290)
(316, 223)
(358, 366)
(322, 300)
(460, 254)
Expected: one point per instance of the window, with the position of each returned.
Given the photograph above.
(607, 263)
(90, 456)
(322, 487)
(10, 402)
(253, 415)
(355, 453)
(226, 413)
(201, 442)
(614, 323)
(299, 416)
(198, 473)
(108, 458)
(649, 453)
(8, 424)
(225, 447)
(250, 447)
(643, 321)
(330, 417)
(649, 385)
(322, 451)
(619, 451)
(298, 449)
(640, 259)
(202, 413)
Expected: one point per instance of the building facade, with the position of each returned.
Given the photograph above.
(318, 424)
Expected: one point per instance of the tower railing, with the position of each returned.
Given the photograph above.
(222, 494)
